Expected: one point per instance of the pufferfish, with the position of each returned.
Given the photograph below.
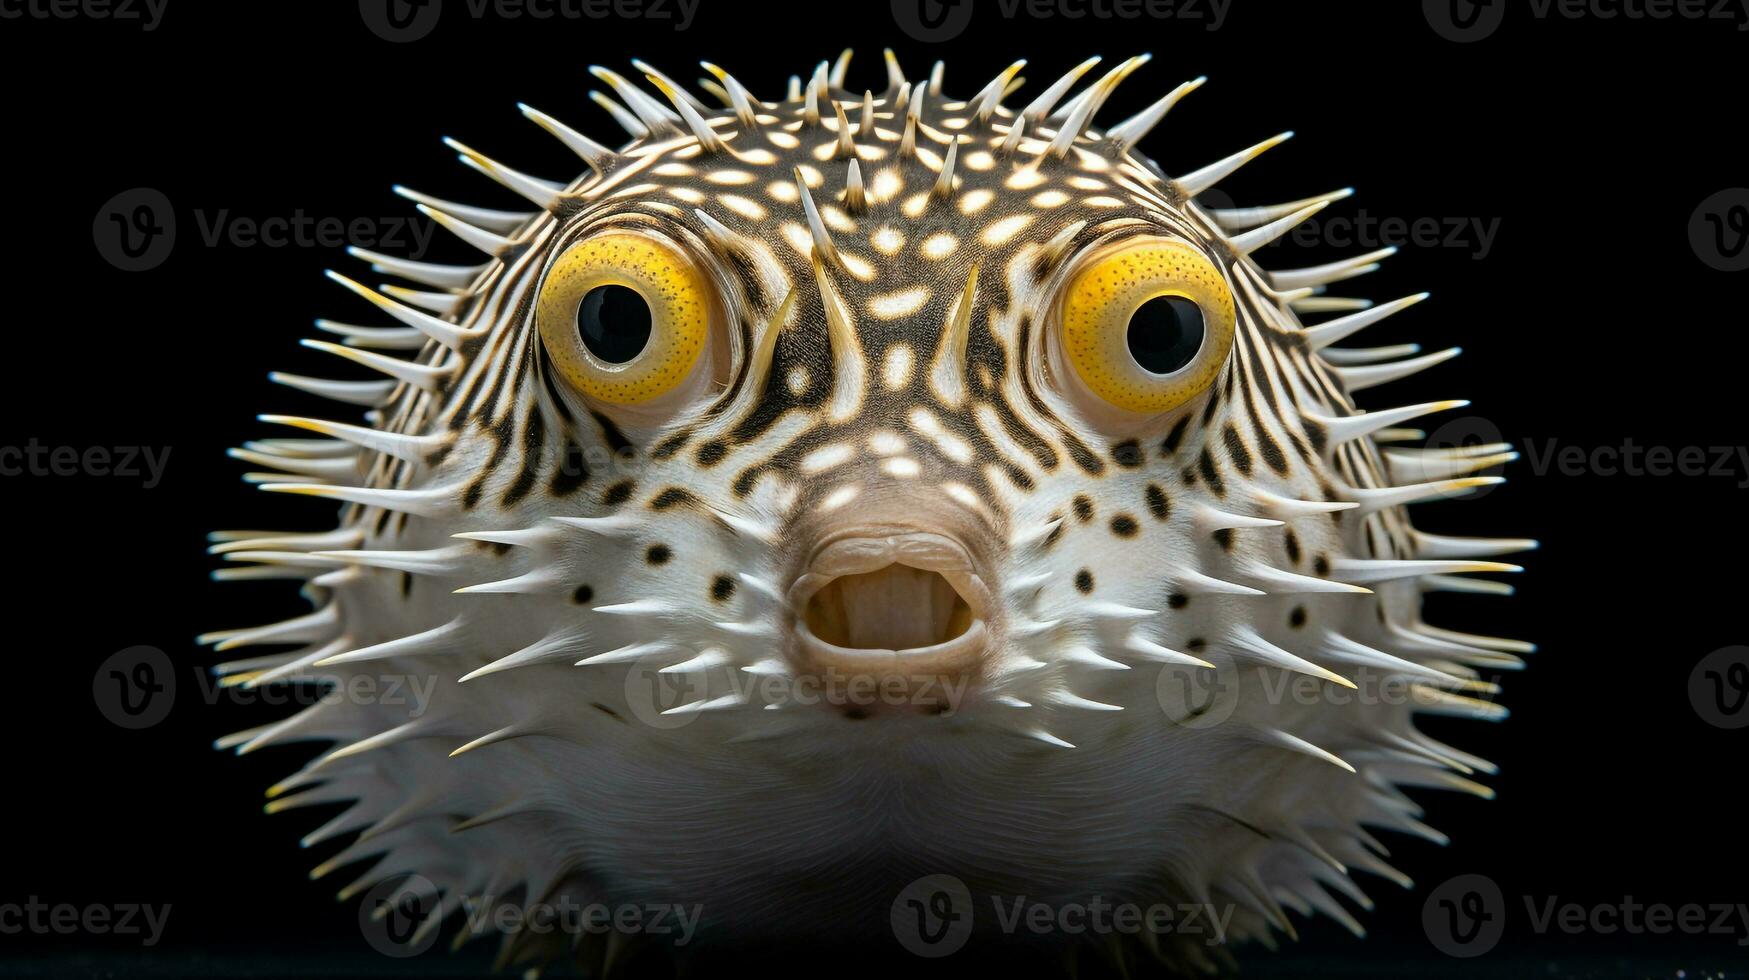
(817, 495)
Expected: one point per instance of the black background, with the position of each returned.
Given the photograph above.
(1591, 321)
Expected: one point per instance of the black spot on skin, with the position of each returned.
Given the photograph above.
(1205, 464)
(1315, 432)
(495, 547)
(533, 440)
(1124, 526)
(722, 588)
(1331, 496)
(1321, 565)
(616, 439)
(1270, 450)
(1158, 505)
(1208, 412)
(1090, 464)
(670, 445)
(572, 473)
(471, 495)
(406, 585)
(1083, 508)
(658, 554)
(1297, 618)
(1173, 438)
(1178, 600)
(673, 497)
(1056, 532)
(855, 714)
(1084, 581)
(604, 709)
(711, 453)
(1196, 644)
(583, 596)
(1224, 538)
(1127, 454)
(1237, 451)
(617, 494)
(1292, 541)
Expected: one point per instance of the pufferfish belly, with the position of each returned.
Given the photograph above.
(819, 495)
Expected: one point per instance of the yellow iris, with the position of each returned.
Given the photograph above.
(1103, 297)
(677, 295)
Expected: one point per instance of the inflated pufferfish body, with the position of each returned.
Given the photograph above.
(818, 494)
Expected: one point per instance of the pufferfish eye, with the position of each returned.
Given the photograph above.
(624, 317)
(1147, 326)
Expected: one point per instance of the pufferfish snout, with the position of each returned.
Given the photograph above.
(903, 608)
(815, 495)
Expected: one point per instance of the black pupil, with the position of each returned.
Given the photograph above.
(1165, 333)
(614, 323)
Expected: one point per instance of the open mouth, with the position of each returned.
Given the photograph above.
(909, 598)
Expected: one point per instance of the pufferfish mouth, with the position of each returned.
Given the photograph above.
(889, 603)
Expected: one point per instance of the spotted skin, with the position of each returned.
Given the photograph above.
(895, 360)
